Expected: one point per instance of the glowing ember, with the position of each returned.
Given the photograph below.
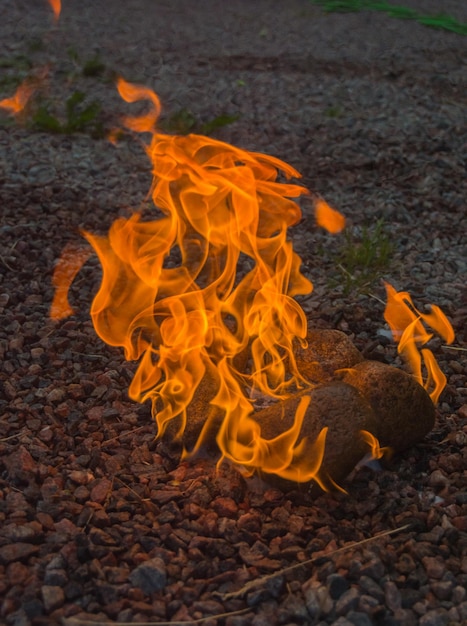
(407, 325)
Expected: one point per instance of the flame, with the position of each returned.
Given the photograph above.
(56, 6)
(376, 452)
(327, 217)
(407, 324)
(17, 103)
(208, 277)
(170, 294)
(23, 94)
(71, 261)
(174, 297)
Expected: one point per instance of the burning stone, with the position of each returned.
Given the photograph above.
(403, 409)
(338, 408)
(351, 398)
(325, 352)
(204, 298)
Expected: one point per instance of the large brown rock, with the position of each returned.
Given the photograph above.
(350, 395)
(326, 351)
(403, 409)
(338, 406)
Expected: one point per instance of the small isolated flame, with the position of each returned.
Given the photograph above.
(56, 6)
(328, 218)
(23, 94)
(17, 103)
(71, 261)
(408, 329)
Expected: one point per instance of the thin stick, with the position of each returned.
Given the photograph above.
(125, 434)
(11, 437)
(260, 581)
(76, 621)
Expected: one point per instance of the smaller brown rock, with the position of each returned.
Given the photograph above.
(53, 597)
(403, 409)
(18, 551)
(225, 507)
(20, 463)
(326, 351)
(101, 490)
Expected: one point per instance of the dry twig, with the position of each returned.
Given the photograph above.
(76, 621)
(260, 581)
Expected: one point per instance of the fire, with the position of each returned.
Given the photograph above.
(171, 296)
(23, 94)
(56, 6)
(201, 292)
(17, 103)
(174, 297)
(328, 218)
(408, 328)
(71, 261)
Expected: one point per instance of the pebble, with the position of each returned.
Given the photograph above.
(41, 174)
(358, 618)
(150, 576)
(53, 597)
(312, 602)
(336, 585)
(372, 588)
(392, 596)
(434, 567)
(17, 552)
(101, 490)
(347, 601)
(436, 617)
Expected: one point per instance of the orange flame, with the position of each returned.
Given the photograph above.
(71, 261)
(56, 6)
(376, 452)
(328, 218)
(17, 103)
(23, 94)
(211, 279)
(171, 297)
(407, 326)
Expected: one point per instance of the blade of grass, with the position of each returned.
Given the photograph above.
(441, 21)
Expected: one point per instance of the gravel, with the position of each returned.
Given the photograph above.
(97, 520)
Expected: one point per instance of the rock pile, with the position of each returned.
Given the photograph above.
(349, 395)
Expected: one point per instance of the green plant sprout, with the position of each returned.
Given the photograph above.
(16, 69)
(89, 68)
(80, 117)
(333, 111)
(441, 20)
(363, 256)
(93, 66)
(183, 122)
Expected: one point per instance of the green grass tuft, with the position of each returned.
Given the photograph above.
(363, 256)
(440, 20)
(183, 122)
(79, 117)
